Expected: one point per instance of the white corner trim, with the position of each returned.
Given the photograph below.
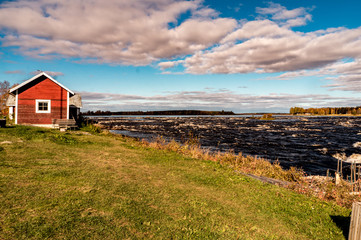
(37, 101)
(16, 106)
(11, 112)
(67, 105)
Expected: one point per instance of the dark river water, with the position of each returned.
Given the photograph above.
(305, 142)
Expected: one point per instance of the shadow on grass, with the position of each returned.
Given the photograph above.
(8, 126)
(342, 223)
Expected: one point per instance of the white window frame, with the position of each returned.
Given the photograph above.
(37, 106)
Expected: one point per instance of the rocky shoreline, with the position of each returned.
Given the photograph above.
(305, 142)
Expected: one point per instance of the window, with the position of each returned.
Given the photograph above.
(43, 106)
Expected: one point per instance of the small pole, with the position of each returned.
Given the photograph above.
(358, 179)
(354, 176)
(341, 169)
(337, 177)
(355, 224)
(351, 177)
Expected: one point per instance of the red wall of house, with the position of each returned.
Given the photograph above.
(44, 89)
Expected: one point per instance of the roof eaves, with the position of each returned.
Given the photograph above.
(35, 77)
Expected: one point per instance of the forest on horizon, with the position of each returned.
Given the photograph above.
(326, 110)
(166, 112)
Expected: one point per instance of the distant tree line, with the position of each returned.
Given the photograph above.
(326, 110)
(167, 112)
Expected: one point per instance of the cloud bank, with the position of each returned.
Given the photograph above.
(278, 50)
(173, 33)
(210, 99)
(112, 31)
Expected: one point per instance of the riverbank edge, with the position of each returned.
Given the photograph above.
(322, 187)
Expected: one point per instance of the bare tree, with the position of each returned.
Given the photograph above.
(4, 93)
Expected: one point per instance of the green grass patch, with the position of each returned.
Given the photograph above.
(74, 186)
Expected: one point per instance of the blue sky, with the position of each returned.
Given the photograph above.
(244, 56)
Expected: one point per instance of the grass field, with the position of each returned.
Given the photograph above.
(75, 186)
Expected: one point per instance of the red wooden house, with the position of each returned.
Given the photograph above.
(41, 100)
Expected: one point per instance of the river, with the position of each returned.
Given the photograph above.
(305, 142)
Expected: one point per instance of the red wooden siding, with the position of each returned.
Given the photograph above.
(42, 88)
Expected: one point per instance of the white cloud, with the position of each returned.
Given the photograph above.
(14, 72)
(170, 64)
(210, 99)
(265, 45)
(51, 73)
(289, 18)
(254, 29)
(142, 32)
(275, 50)
(206, 13)
(345, 75)
(123, 32)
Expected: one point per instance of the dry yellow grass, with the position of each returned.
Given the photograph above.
(324, 190)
